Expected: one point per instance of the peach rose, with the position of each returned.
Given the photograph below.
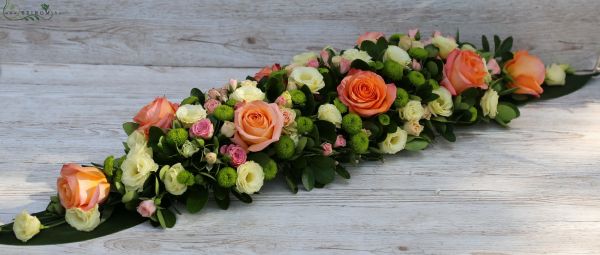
(369, 36)
(464, 69)
(266, 71)
(527, 72)
(365, 93)
(81, 187)
(257, 124)
(159, 113)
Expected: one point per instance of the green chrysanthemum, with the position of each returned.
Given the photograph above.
(418, 53)
(270, 169)
(352, 123)
(227, 177)
(298, 96)
(185, 177)
(401, 98)
(416, 78)
(383, 119)
(177, 136)
(285, 147)
(223, 112)
(393, 70)
(359, 142)
(340, 106)
(304, 124)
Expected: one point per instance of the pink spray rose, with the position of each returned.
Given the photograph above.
(327, 149)
(235, 152)
(203, 129)
(146, 208)
(493, 66)
(340, 141)
(369, 36)
(211, 104)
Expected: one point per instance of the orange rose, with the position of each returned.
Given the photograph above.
(159, 113)
(369, 36)
(365, 93)
(257, 124)
(464, 69)
(81, 187)
(266, 71)
(527, 72)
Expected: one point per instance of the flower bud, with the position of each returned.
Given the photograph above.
(556, 75)
(413, 128)
(228, 129)
(285, 147)
(226, 177)
(83, 220)
(223, 112)
(383, 119)
(352, 123)
(405, 42)
(397, 55)
(489, 103)
(211, 158)
(146, 208)
(26, 226)
(328, 112)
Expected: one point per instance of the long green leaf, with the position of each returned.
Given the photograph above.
(572, 84)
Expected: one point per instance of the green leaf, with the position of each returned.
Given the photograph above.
(166, 218)
(309, 105)
(196, 199)
(323, 169)
(242, 196)
(496, 42)
(359, 64)
(573, 83)
(326, 130)
(129, 127)
(154, 135)
(291, 184)
(416, 145)
(120, 219)
(308, 178)
(189, 100)
(221, 197)
(506, 112)
(504, 47)
(341, 171)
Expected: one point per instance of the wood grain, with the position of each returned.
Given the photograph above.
(529, 189)
(256, 33)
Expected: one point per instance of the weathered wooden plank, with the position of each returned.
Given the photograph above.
(257, 33)
(529, 189)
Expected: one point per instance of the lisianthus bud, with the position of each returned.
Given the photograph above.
(177, 136)
(397, 55)
(418, 53)
(327, 149)
(405, 42)
(328, 112)
(226, 177)
(360, 142)
(444, 44)
(169, 177)
(270, 169)
(402, 98)
(203, 129)
(413, 128)
(393, 70)
(223, 112)
(340, 106)
(188, 149)
(354, 54)
(298, 97)
(304, 124)
(228, 129)
(489, 103)
(413, 110)
(416, 78)
(340, 141)
(383, 119)
(556, 75)
(303, 59)
(352, 123)
(26, 226)
(83, 220)
(285, 147)
(211, 158)
(188, 114)
(146, 208)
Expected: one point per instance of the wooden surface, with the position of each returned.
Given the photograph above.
(532, 188)
(68, 83)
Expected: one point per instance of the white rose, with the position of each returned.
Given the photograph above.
(137, 167)
(489, 103)
(413, 110)
(394, 142)
(189, 114)
(303, 58)
(250, 83)
(555, 75)
(397, 55)
(26, 226)
(444, 44)
(83, 220)
(188, 149)
(308, 76)
(329, 112)
(442, 106)
(413, 128)
(228, 129)
(136, 140)
(248, 94)
(250, 177)
(168, 175)
(354, 54)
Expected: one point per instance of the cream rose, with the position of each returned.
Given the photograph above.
(413, 110)
(83, 220)
(397, 55)
(168, 175)
(489, 103)
(329, 112)
(556, 75)
(413, 128)
(188, 114)
(250, 177)
(354, 54)
(444, 44)
(137, 167)
(26, 226)
(303, 58)
(228, 129)
(308, 76)
(394, 142)
(442, 106)
(247, 94)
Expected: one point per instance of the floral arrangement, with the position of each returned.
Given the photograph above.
(299, 123)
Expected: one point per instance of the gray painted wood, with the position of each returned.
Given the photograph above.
(257, 33)
(529, 189)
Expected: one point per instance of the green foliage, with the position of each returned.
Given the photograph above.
(129, 127)
(196, 199)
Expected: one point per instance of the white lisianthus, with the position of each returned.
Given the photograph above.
(250, 177)
(228, 129)
(413, 128)
(556, 75)
(188, 149)
(136, 140)
(329, 112)
(246, 83)
(442, 106)
(26, 226)
(444, 44)
(413, 110)
(303, 58)
(189, 114)
(354, 54)
(168, 175)
(397, 55)
(83, 220)
(489, 103)
(137, 167)
(394, 142)
(248, 94)
(308, 76)
(468, 47)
